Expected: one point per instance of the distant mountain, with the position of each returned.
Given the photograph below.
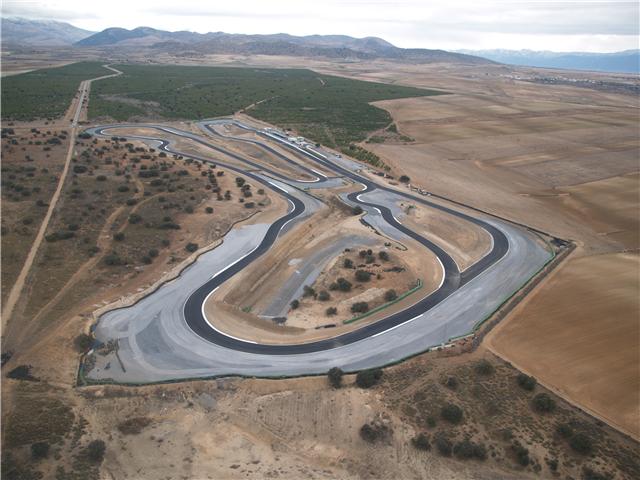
(22, 31)
(627, 61)
(330, 46)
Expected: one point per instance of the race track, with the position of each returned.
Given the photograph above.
(167, 335)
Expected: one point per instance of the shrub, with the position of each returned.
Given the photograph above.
(21, 372)
(443, 444)
(208, 209)
(95, 451)
(390, 295)
(341, 284)
(421, 442)
(543, 403)
(404, 179)
(79, 169)
(133, 426)
(363, 275)
(370, 259)
(123, 188)
(83, 342)
(564, 430)
(372, 432)
(188, 209)
(484, 367)
(331, 311)
(451, 382)
(526, 382)
(294, 304)
(521, 454)
(191, 247)
(368, 378)
(589, 474)
(39, 450)
(146, 259)
(153, 252)
(384, 256)
(451, 413)
(335, 377)
(360, 307)
(466, 449)
(239, 181)
(581, 443)
(118, 237)
(308, 291)
(323, 296)
(431, 421)
(357, 210)
(101, 178)
(131, 201)
(135, 218)
(347, 263)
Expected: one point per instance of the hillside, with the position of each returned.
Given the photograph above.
(22, 31)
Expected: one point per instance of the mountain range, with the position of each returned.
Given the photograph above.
(627, 61)
(23, 31)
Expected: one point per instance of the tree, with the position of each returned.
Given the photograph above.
(341, 284)
(347, 263)
(118, 237)
(335, 377)
(331, 311)
(95, 451)
(484, 367)
(543, 403)
(360, 307)
(323, 296)
(404, 179)
(581, 443)
(39, 450)
(451, 413)
(526, 382)
(421, 442)
(363, 275)
(208, 210)
(294, 304)
(384, 256)
(357, 210)
(308, 291)
(368, 378)
(135, 218)
(443, 444)
(83, 342)
(390, 295)
(191, 247)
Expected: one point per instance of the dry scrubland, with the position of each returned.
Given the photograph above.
(562, 159)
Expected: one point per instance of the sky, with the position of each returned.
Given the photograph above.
(593, 26)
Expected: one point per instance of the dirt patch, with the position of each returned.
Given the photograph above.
(585, 318)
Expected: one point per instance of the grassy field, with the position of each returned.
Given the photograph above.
(45, 93)
(332, 110)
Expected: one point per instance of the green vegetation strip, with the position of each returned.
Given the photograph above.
(385, 305)
(45, 93)
(331, 110)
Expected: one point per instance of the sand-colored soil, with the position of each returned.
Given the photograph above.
(578, 333)
(465, 242)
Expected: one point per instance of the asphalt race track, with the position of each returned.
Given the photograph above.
(167, 336)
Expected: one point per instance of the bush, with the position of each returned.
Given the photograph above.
(294, 304)
(39, 450)
(451, 382)
(131, 201)
(123, 188)
(443, 444)
(370, 259)
(83, 342)
(191, 247)
(331, 311)
(357, 210)
(135, 218)
(146, 259)
(390, 295)
(341, 284)
(113, 259)
(95, 451)
(323, 296)
(581, 443)
(526, 382)
(308, 291)
(368, 378)
(209, 210)
(372, 432)
(467, 449)
(79, 169)
(521, 454)
(348, 263)
(335, 377)
(363, 275)
(360, 307)
(543, 403)
(421, 442)
(589, 474)
(101, 178)
(133, 426)
(21, 372)
(188, 209)
(404, 179)
(484, 367)
(451, 413)
(564, 430)
(384, 256)
(153, 253)
(118, 237)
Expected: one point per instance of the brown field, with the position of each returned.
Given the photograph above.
(584, 318)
